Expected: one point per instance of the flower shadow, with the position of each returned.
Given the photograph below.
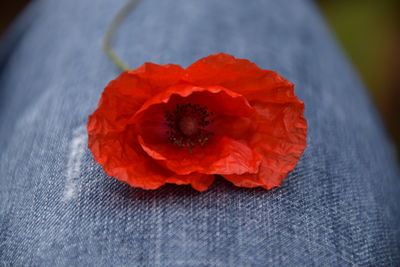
(171, 191)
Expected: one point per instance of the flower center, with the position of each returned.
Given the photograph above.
(187, 125)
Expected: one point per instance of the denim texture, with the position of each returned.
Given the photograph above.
(339, 207)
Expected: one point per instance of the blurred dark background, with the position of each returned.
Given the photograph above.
(369, 32)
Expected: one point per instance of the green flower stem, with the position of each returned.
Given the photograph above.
(119, 17)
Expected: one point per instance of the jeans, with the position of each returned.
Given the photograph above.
(339, 207)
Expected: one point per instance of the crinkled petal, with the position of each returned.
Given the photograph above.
(125, 160)
(126, 94)
(280, 139)
(241, 76)
(222, 156)
(217, 98)
(278, 131)
(266, 178)
(111, 137)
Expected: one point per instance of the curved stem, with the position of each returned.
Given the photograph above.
(122, 13)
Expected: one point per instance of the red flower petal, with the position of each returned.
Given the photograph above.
(223, 156)
(125, 160)
(126, 94)
(122, 158)
(241, 76)
(114, 147)
(280, 139)
(279, 128)
(218, 98)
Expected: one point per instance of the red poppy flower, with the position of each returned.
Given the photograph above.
(164, 124)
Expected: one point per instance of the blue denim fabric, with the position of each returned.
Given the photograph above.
(339, 207)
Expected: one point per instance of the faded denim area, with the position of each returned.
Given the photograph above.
(339, 207)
